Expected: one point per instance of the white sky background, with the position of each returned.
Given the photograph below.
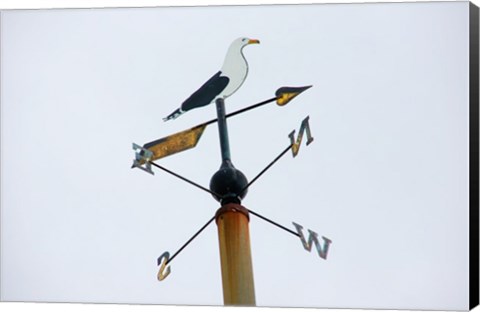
(386, 177)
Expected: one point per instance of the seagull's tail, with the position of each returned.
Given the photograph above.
(174, 115)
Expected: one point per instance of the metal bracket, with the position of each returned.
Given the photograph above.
(142, 158)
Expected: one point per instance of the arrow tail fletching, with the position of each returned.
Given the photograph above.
(286, 94)
(175, 143)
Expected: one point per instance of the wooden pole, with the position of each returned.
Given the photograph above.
(235, 256)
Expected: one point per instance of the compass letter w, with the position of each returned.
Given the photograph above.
(296, 144)
(313, 239)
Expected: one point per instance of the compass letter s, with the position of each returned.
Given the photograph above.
(313, 239)
(162, 261)
(296, 144)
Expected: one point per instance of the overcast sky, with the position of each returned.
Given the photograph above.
(386, 178)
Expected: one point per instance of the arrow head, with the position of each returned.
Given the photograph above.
(286, 94)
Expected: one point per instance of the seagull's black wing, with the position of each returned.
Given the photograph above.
(207, 93)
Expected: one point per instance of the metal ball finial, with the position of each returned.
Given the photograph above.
(229, 183)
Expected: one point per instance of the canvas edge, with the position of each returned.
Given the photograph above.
(1, 158)
(474, 161)
(474, 130)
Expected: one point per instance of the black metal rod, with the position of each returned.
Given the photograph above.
(190, 240)
(184, 179)
(267, 167)
(223, 131)
(242, 110)
(274, 223)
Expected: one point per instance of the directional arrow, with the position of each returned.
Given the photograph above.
(188, 139)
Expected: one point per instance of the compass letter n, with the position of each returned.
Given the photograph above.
(296, 144)
(313, 239)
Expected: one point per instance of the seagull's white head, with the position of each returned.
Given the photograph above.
(242, 42)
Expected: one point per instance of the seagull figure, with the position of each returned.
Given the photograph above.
(224, 83)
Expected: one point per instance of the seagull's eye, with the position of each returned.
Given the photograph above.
(244, 39)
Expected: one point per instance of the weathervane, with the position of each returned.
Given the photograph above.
(228, 185)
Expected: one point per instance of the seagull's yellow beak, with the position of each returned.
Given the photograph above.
(253, 41)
